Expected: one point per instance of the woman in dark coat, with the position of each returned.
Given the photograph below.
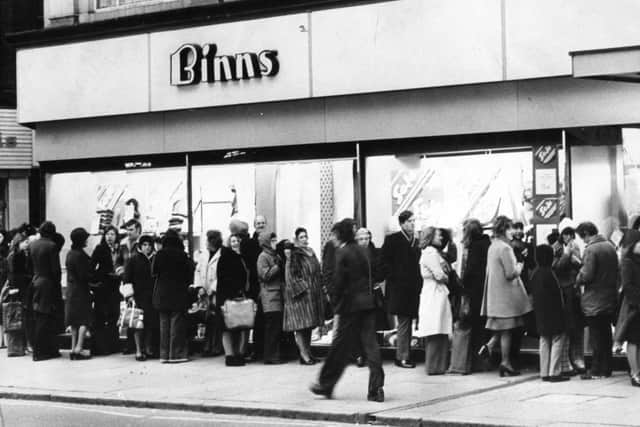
(173, 272)
(46, 300)
(303, 295)
(549, 314)
(137, 272)
(631, 291)
(233, 278)
(78, 301)
(473, 270)
(106, 293)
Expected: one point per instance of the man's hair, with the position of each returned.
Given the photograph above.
(586, 228)
(544, 255)
(344, 230)
(404, 216)
(519, 225)
(133, 222)
(47, 229)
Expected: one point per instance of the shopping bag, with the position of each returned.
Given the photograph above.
(239, 313)
(126, 290)
(12, 316)
(131, 317)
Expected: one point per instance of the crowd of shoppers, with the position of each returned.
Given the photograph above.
(464, 311)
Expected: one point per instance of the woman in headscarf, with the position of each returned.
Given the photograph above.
(435, 323)
(303, 295)
(78, 301)
(271, 276)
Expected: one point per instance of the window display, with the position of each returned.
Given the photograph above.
(444, 191)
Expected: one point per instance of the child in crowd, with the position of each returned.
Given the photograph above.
(550, 321)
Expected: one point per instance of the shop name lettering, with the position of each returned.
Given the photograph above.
(192, 64)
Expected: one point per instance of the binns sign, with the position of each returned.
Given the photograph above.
(192, 64)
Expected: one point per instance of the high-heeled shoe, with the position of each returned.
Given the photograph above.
(635, 380)
(72, 355)
(307, 362)
(507, 372)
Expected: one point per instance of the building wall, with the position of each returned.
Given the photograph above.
(399, 45)
(511, 106)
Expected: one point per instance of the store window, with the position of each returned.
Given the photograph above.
(443, 191)
(101, 4)
(310, 194)
(95, 200)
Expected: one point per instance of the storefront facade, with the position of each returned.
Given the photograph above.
(452, 109)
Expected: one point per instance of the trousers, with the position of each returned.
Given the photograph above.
(601, 340)
(404, 337)
(551, 355)
(353, 327)
(173, 335)
(272, 335)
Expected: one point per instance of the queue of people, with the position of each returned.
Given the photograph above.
(464, 310)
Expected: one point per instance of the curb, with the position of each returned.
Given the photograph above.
(352, 418)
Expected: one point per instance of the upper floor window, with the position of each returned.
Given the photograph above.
(101, 4)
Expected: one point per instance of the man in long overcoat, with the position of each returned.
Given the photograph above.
(401, 256)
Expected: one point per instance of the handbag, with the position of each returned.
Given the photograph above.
(131, 317)
(239, 313)
(12, 316)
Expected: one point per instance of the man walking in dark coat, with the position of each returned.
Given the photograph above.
(599, 279)
(401, 256)
(353, 300)
(47, 298)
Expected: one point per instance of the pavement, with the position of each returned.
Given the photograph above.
(412, 397)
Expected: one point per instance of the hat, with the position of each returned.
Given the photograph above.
(146, 239)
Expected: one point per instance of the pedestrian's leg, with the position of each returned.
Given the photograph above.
(505, 348)
(403, 338)
(272, 333)
(576, 348)
(607, 344)
(565, 360)
(555, 358)
(82, 331)
(338, 356)
(301, 343)
(138, 338)
(165, 335)
(596, 344)
(371, 352)
(545, 355)
(633, 359)
(179, 350)
(74, 338)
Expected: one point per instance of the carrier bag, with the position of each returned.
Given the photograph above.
(239, 313)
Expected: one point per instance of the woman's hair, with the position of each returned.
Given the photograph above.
(344, 230)
(568, 231)
(146, 239)
(105, 231)
(215, 238)
(15, 242)
(471, 230)
(501, 225)
(281, 246)
(544, 255)
(79, 238)
(428, 234)
(47, 229)
(446, 237)
(301, 230)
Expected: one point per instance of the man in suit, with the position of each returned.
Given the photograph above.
(353, 300)
(400, 257)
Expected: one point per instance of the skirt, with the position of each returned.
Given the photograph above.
(504, 323)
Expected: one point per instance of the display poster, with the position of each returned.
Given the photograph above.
(444, 191)
(547, 200)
